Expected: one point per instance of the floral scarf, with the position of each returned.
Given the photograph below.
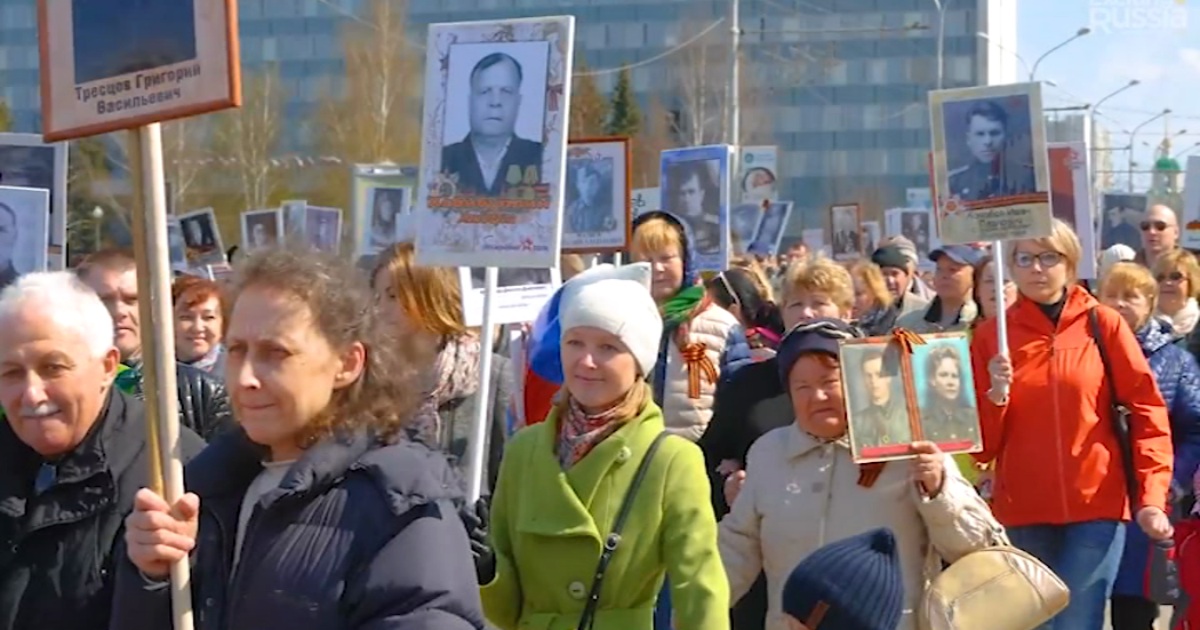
(579, 432)
(455, 376)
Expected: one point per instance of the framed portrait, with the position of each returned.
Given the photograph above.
(894, 397)
(26, 161)
(118, 64)
(261, 229)
(494, 143)
(916, 225)
(870, 235)
(596, 214)
(520, 293)
(695, 190)
(771, 226)
(368, 177)
(25, 219)
(202, 237)
(845, 232)
(645, 200)
(1071, 198)
(390, 217)
(293, 219)
(756, 178)
(323, 228)
(991, 181)
(1121, 216)
(1190, 216)
(176, 245)
(743, 225)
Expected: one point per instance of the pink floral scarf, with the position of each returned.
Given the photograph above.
(455, 376)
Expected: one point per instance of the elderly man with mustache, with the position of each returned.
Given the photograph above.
(73, 452)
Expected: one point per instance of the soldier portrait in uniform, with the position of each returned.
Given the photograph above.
(846, 231)
(695, 198)
(989, 148)
(880, 428)
(944, 385)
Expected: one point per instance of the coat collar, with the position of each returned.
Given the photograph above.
(1027, 314)
(801, 443)
(563, 508)
(84, 480)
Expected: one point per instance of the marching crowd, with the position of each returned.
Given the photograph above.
(687, 467)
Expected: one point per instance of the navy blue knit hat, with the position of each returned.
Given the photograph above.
(818, 335)
(852, 584)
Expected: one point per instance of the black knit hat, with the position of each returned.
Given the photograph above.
(852, 584)
(891, 256)
(818, 335)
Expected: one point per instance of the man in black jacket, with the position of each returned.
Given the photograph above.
(203, 400)
(74, 454)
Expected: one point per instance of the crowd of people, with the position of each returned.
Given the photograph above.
(689, 469)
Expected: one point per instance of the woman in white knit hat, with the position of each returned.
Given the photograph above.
(602, 452)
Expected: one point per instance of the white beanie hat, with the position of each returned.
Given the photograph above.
(1113, 255)
(616, 300)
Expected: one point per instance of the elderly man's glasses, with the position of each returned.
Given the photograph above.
(1157, 226)
(1045, 260)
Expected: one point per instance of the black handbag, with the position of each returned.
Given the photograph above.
(1163, 575)
(614, 537)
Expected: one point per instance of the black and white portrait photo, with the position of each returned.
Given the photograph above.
(1121, 215)
(24, 220)
(293, 219)
(769, 234)
(914, 226)
(871, 234)
(597, 204)
(695, 191)
(520, 293)
(261, 229)
(846, 232)
(743, 225)
(202, 237)
(388, 206)
(323, 228)
(25, 161)
(590, 207)
(989, 148)
(116, 37)
(176, 244)
(492, 138)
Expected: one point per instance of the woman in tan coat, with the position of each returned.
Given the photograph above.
(803, 490)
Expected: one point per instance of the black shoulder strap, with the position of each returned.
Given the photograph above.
(1117, 413)
(1098, 337)
(614, 538)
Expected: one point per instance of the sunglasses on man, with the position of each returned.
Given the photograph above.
(1157, 226)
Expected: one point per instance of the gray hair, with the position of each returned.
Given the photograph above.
(65, 299)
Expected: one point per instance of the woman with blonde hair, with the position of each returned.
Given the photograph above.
(1060, 485)
(316, 512)
(871, 296)
(1178, 275)
(423, 306)
(601, 478)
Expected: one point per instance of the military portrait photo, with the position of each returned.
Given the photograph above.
(846, 232)
(202, 238)
(914, 226)
(694, 192)
(323, 228)
(989, 148)
(880, 428)
(942, 377)
(495, 109)
(261, 229)
(591, 208)
(117, 37)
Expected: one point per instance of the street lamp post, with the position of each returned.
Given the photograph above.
(1079, 33)
(1133, 137)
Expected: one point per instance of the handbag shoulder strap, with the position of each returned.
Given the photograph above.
(1098, 337)
(1120, 423)
(614, 537)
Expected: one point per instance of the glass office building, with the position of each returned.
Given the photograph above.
(842, 83)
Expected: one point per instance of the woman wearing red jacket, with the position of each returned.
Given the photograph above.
(1060, 484)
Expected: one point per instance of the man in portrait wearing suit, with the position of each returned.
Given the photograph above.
(491, 158)
(991, 172)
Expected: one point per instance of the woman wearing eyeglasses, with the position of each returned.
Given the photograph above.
(1178, 277)
(1060, 485)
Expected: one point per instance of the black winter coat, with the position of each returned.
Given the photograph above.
(57, 547)
(357, 537)
(203, 400)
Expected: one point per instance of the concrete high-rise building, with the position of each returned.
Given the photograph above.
(840, 87)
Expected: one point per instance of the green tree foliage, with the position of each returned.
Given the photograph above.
(589, 108)
(626, 115)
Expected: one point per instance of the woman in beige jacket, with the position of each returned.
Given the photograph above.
(803, 490)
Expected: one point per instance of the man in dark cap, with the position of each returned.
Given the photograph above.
(899, 273)
(952, 307)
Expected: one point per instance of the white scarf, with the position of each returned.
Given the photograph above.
(1184, 320)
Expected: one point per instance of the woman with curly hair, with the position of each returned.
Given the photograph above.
(317, 512)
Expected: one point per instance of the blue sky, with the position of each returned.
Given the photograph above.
(1164, 57)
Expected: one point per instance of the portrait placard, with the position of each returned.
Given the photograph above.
(390, 217)
(26, 161)
(176, 245)
(1190, 217)
(203, 238)
(1071, 198)
(773, 223)
(743, 224)
(870, 235)
(597, 215)
(24, 221)
(845, 228)
(520, 294)
(695, 190)
(368, 177)
(261, 229)
(293, 219)
(894, 397)
(990, 173)
(323, 228)
(494, 143)
(1121, 216)
(108, 65)
(757, 176)
(645, 200)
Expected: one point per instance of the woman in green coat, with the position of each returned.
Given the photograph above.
(563, 481)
